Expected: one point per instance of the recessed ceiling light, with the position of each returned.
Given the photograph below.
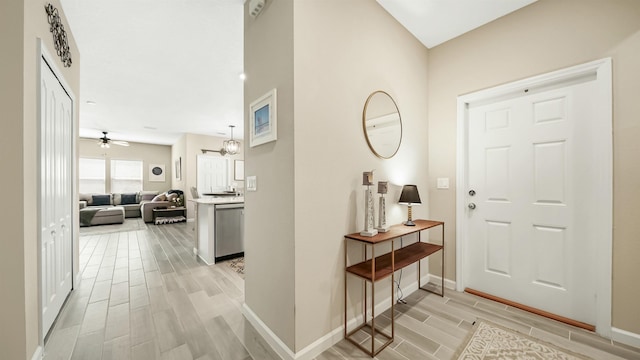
(150, 128)
(90, 102)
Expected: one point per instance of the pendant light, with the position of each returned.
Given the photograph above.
(231, 146)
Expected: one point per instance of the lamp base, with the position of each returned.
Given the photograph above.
(409, 223)
(382, 229)
(371, 232)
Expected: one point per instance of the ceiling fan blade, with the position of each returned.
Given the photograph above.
(119, 142)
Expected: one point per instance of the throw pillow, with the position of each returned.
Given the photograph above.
(160, 197)
(129, 199)
(101, 200)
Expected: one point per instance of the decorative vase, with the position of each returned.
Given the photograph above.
(382, 208)
(369, 214)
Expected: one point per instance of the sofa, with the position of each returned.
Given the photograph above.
(99, 209)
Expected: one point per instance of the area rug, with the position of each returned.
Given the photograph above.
(237, 265)
(128, 225)
(490, 341)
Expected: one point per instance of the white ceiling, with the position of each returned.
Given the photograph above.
(151, 71)
(436, 21)
(169, 65)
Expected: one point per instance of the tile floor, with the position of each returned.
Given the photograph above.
(143, 295)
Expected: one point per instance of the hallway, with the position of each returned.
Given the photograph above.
(144, 296)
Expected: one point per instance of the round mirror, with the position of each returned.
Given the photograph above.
(382, 124)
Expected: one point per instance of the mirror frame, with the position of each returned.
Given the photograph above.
(364, 124)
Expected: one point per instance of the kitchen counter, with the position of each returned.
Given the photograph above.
(210, 200)
(219, 228)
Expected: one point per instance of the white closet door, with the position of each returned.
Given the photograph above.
(56, 160)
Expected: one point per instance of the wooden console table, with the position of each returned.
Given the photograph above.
(379, 267)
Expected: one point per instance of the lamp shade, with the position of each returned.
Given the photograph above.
(409, 195)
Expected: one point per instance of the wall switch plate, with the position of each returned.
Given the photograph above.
(443, 183)
(252, 183)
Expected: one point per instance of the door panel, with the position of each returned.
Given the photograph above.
(527, 162)
(213, 174)
(56, 196)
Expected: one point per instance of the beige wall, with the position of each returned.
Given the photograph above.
(22, 23)
(343, 51)
(179, 151)
(269, 212)
(309, 181)
(542, 37)
(148, 153)
(12, 247)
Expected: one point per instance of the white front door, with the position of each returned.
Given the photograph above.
(530, 237)
(56, 184)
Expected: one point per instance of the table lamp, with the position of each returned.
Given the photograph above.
(409, 196)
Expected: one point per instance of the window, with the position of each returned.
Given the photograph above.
(92, 176)
(126, 176)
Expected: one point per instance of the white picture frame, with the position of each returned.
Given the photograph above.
(263, 119)
(157, 172)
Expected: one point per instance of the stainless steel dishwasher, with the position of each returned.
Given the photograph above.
(229, 237)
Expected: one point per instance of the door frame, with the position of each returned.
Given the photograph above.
(601, 69)
(43, 54)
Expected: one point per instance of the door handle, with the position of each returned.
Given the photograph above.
(472, 206)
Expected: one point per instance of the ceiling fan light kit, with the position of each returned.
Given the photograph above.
(105, 143)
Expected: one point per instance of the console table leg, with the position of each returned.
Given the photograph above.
(393, 303)
(345, 289)
(364, 284)
(442, 270)
(373, 300)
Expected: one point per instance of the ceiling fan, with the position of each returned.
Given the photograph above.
(105, 142)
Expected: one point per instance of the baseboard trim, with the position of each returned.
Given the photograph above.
(448, 284)
(625, 337)
(269, 336)
(38, 354)
(334, 336)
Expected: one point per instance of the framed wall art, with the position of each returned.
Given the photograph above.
(263, 119)
(156, 172)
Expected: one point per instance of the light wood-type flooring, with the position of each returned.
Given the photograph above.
(144, 295)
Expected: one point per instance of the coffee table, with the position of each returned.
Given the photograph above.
(169, 215)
